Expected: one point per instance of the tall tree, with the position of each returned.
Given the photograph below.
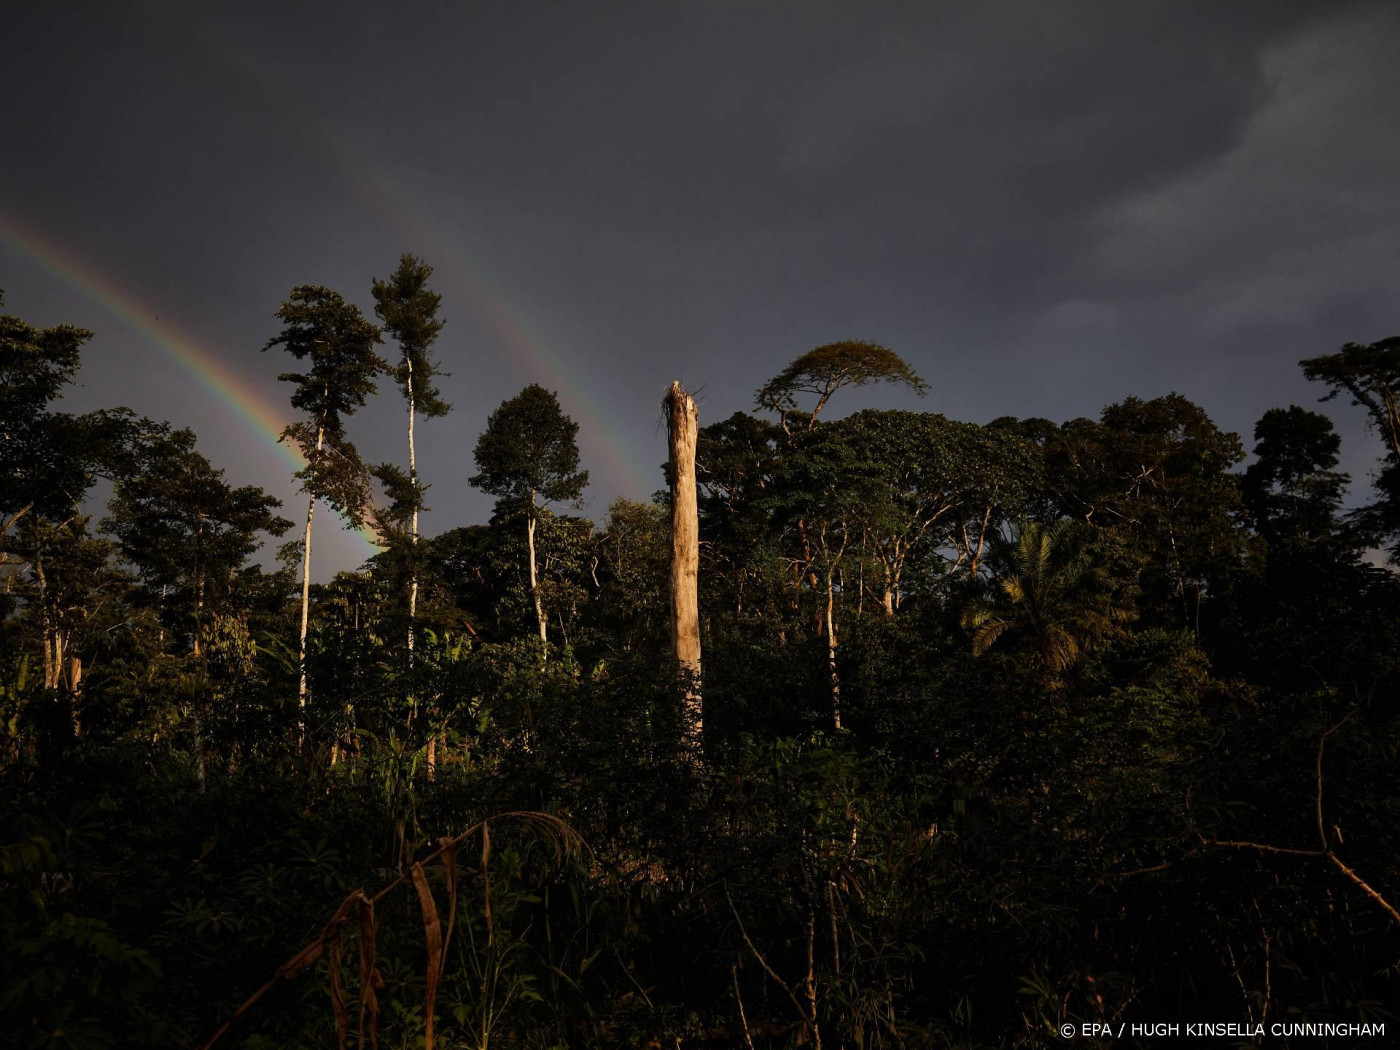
(820, 373)
(48, 463)
(825, 370)
(408, 310)
(186, 530)
(920, 478)
(39, 467)
(1158, 474)
(1370, 374)
(819, 489)
(71, 577)
(337, 343)
(634, 553)
(1291, 490)
(527, 453)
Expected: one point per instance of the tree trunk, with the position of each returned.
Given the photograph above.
(975, 562)
(75, 692)
(810, 983)
(50, 674)
(683, 427)
(306, 604)
(413, 541)
(413, 531)
(201, 764)
(831, 654)
(305, 617)
(535, 577)
(198, 611)
(807, 560)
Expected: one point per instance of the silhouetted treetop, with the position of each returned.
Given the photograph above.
(825, 370)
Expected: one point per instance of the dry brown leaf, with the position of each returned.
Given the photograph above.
(449, 870)
(370, 980)
(342, 1022)
(486, 879)
(432, 933)
(566, 842)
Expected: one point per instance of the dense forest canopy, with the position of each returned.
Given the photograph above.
(1005, 726)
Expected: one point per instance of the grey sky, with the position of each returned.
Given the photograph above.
(1043, 207)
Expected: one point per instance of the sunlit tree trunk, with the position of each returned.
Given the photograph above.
(49, 639)
(683, 427)
(306, 602)
(413, 531)
(198, 590)
(860, 578)
(530, 518)
(975, 559)
(75, 690)
(413, 541)
(198, 612)
(810, 983)
(831, 655)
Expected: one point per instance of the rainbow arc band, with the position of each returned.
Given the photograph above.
(232, 392)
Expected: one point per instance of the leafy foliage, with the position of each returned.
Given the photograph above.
(337, 342)
(408, 310)
(825, 370)
(1116, 729)
(528, 449)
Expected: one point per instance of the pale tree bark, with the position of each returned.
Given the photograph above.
(75, 692)
(831, 656)
(198, 611)
(530, 518)
(969, 551)
(683, 428)
(306, 601)
(413, 568)
(833, 562)
(413, 532)
(45, 617)
(860, 578)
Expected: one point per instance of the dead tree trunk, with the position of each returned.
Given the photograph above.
(683, 427)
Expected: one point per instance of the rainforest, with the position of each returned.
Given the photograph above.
(872, 728)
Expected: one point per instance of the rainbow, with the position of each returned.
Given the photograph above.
(248, 406)
(389, 197)
(490, 303)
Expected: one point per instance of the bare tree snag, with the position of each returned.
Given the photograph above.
(683, 428)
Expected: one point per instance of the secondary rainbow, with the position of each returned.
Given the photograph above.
(491, 303)
(628, 469)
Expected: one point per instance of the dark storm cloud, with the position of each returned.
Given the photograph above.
(1045, 207)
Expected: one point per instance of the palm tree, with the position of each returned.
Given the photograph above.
(1046, 589)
